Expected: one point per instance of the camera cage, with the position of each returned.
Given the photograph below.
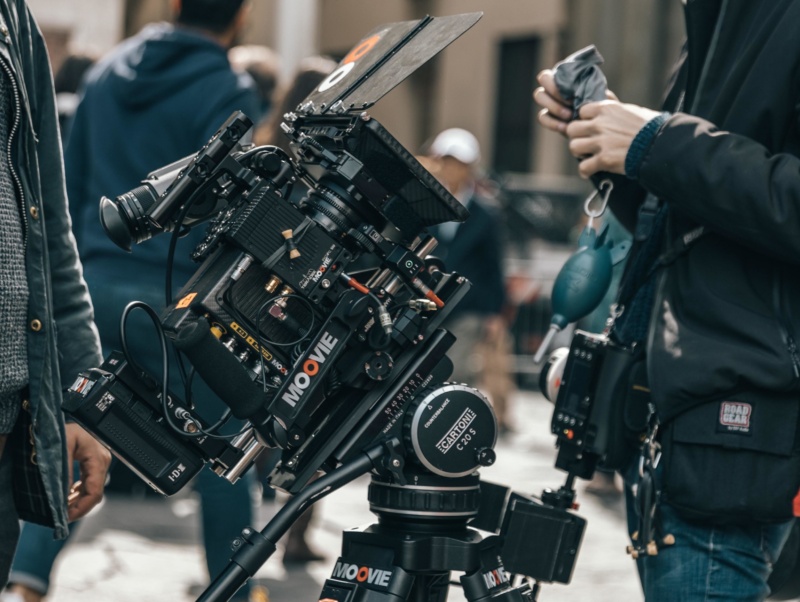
(368, 197)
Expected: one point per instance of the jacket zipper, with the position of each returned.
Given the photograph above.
(785, 325)
(9, 150)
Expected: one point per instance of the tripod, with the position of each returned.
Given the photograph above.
(420, 537)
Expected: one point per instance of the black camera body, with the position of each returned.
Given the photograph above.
(316, 316)
(315, 313)
(576, 411)
(320, 361)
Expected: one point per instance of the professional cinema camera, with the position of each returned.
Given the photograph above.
(316, 318)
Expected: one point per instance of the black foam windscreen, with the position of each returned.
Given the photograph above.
(220, 369)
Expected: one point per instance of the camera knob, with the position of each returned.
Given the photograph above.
(485, 456)
(451, 430)
(379, 365)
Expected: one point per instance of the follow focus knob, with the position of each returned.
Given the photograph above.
(452, 430)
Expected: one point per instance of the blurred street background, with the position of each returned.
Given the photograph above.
(482, 82)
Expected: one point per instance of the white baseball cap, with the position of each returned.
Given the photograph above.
(457, 143)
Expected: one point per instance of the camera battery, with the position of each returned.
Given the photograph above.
(129, 426)
(541, 541)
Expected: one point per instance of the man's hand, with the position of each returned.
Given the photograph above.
(556, 112)
(94, 460)
(603, 134)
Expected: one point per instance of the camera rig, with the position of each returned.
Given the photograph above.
(316, 315)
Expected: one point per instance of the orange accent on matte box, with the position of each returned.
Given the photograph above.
(796, 505)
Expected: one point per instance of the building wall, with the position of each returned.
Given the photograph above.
(638, 39)
(466, 90)
(86, 25)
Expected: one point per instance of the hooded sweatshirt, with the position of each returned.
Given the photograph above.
(156, 98)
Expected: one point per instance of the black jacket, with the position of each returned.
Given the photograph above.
(727, 312)
(62, 339)
(476, 252)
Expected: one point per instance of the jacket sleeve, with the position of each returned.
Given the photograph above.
(729, 183)
(77, 167)
(78, 343)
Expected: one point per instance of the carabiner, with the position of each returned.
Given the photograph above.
(609, 186)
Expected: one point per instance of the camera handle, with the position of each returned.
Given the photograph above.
(564, 498)
(254, 548)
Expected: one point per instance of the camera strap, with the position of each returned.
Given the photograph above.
(636, 292)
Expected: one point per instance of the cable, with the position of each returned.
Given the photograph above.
(177, 233)
(271, 301)
(154, 317)
(384, 317)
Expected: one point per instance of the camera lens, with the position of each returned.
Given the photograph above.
(124, 217)
(336, 208)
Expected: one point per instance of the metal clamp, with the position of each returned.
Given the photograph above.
(606, 184)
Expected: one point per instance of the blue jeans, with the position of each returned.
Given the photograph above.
(36, 553)
(225, 509)
(707, 563)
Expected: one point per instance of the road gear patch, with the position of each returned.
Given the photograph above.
(735, 417)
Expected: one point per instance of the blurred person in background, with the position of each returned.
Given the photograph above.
(263, 64)
(46, 331)
(309, 73)
(67, 81)
(474, 249)
(155, 98)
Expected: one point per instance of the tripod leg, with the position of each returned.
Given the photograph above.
(347, 584)
(255, 548)
(367, 571)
